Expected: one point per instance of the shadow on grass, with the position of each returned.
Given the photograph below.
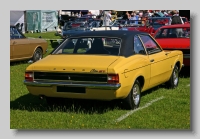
(19, 62)
(29, 102)
(54, 44)
(185, 72)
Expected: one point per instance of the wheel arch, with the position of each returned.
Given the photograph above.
(141, 81)
(40, 47)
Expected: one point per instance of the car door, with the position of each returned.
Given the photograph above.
(19, 45)
(161, 64)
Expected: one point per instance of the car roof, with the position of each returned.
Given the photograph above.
(176, 25)
(109, 33)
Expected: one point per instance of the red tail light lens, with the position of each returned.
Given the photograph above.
(29, 76)
(113, 78)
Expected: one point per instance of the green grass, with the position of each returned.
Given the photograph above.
(29, 112)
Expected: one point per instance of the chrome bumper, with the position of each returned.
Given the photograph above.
(71, 84)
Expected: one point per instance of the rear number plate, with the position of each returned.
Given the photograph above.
(71, 89)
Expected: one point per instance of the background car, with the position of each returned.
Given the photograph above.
(104, 65)
(149, 25)
(157, 22)
(185, 20)
(175, 37)
(22, 48)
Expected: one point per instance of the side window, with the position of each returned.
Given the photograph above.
(164, 33)
(15, 34)
(150, 45)
(138, 47)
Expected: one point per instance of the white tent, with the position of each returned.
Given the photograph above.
(17, 16)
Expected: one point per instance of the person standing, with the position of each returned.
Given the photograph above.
(175, 19)
(107, 18)
(126, 16)
(134, 17)
(80, 14)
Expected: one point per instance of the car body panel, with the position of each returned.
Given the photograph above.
(89, 72)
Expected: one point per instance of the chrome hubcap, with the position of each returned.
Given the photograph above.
(136, 94)
(37, 56)
(175, 76)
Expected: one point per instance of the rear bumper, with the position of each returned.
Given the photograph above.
(71, 84)
(76, 90)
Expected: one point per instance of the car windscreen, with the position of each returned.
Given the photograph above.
(90, 45)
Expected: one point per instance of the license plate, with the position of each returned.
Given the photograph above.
(71, 89)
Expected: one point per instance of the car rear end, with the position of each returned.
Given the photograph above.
(82, 80)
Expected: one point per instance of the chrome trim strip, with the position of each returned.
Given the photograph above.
(71, 84)
(56, 81)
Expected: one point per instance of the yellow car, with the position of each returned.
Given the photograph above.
(104, 65)
(22, 48)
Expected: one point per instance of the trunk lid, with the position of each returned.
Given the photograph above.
(74, 63)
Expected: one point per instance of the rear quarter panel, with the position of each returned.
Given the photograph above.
(129, 69)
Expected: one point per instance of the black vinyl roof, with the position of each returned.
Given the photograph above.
(126, 36)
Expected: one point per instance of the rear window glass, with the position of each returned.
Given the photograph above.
(108, 46)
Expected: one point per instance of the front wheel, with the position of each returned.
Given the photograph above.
(132, 101)
(174, 79)
(37, 55)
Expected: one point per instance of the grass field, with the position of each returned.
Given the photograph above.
(171, 110)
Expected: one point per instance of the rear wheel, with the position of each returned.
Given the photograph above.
(174, 79)
(132, 101)
(37, 55)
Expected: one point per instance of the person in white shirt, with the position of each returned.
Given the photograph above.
(107, 18)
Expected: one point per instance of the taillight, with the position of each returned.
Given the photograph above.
(113, 78)
(29, 76)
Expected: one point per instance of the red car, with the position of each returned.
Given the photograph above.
(177, 37)
(185, 20)
(149, 25)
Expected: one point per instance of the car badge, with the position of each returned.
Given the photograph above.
(69, 78)
(93, 70)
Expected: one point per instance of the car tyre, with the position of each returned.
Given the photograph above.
(37, 55)
(132, 101)
(174, 79)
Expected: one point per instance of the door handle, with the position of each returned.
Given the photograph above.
(152, 60)
(167, 53)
